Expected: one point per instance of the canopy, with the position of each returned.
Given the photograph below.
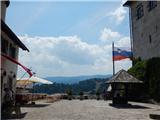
(123, 77)
(24, 84)
(28, 81)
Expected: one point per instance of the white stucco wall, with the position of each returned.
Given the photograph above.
(10, 68)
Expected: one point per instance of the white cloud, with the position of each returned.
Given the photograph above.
(119, 14)
(123, 42)
(66, 55)
(108, 35)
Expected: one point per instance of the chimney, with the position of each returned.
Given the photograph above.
(4, 5)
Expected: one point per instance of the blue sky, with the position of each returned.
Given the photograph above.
(69, 38)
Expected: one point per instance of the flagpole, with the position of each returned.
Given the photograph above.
(113, 85)
(113, 58)
(131, 36)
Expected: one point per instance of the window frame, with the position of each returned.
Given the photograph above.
(139, 11)
(150, 39)
(152, 5)
(4, 45)
(12, 51)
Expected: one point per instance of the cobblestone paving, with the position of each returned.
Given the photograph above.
(88, 110)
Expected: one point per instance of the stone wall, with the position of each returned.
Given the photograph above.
(146, 31)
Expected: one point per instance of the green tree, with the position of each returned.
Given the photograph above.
(69, 93)
(149, 72)
(139, 70)
(98, 94)
(153, 76)
(81, 95)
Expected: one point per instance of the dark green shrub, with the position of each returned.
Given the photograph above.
(149, 72)
(153, 77)
(139, 70)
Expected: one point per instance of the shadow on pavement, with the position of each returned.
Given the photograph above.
(35, 105)
(155, 116)
(128, 106)
(14, 116)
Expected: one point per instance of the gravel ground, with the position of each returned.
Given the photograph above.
(88, 110)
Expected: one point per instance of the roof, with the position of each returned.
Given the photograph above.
(12, 36)
(7, 2)
(123, 77)
(127, 3)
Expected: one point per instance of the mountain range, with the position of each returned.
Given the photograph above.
(89, 86)
(74, 79)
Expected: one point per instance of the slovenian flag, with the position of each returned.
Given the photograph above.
(121, 53)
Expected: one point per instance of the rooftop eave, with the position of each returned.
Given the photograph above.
(123, 77)
(12, 36)
(127, 4)
(7, 2)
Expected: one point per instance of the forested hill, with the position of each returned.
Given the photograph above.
(89, 86)
(74, 79)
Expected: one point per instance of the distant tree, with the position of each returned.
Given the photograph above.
(88, 85)
(98, 94)
(69, 93)
(81, 95)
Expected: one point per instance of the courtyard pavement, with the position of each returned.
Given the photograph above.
(88, 110)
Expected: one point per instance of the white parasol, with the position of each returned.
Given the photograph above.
(28, 81)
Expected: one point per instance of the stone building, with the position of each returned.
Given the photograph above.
(145, 28)
(10, 45)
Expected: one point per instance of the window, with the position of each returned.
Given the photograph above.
(152, 5)
(4, 46)
(140, 12)
(10, 81)
(12, 51)
(150, 39)
(156, 28)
